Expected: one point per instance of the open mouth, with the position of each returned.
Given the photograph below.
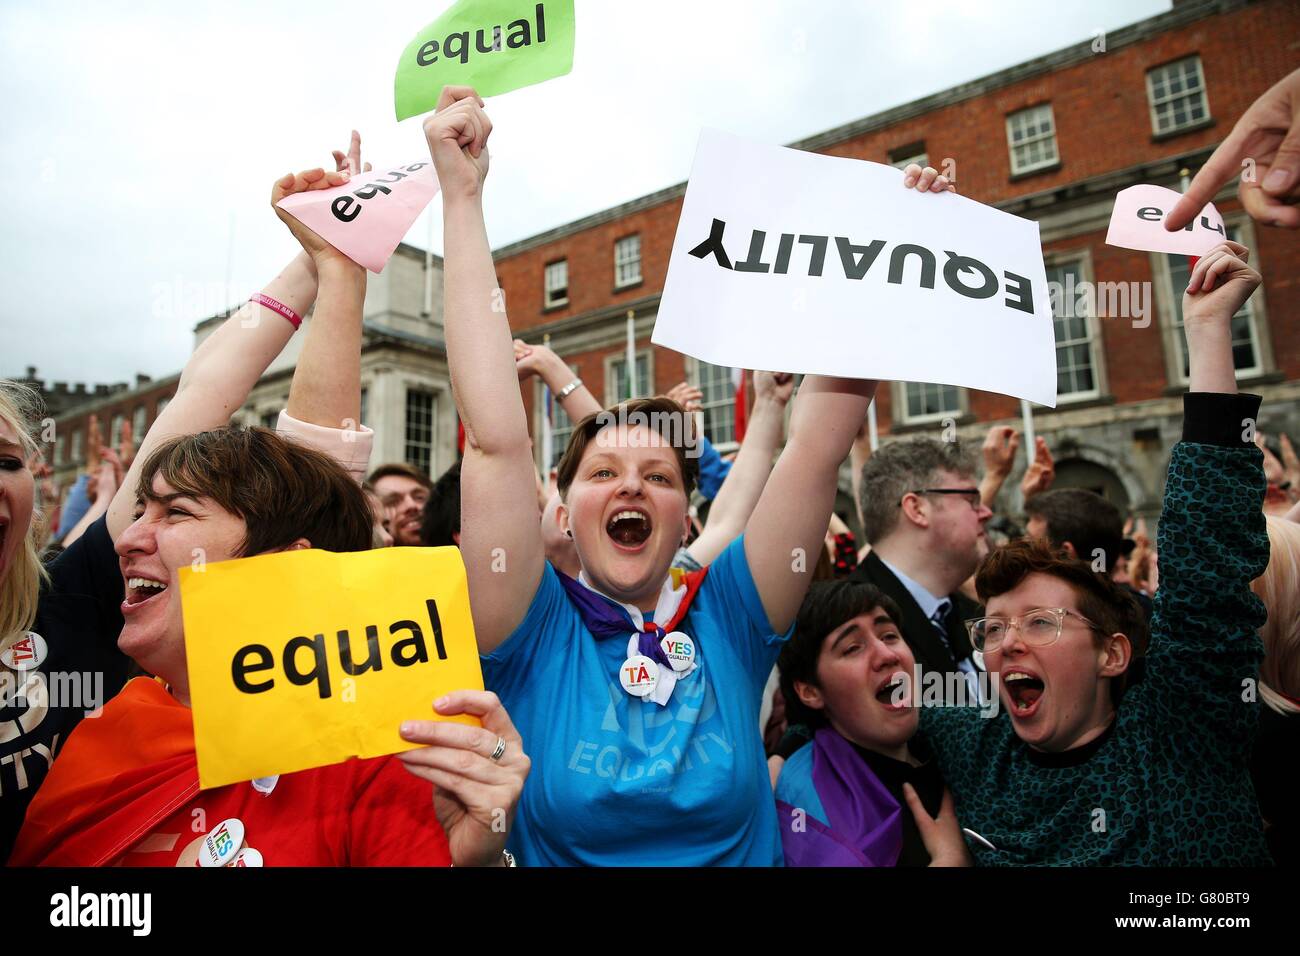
(893, 692)
(630, 528)
(1025, 691)
(141, 591)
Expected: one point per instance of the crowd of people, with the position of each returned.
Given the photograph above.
(688, 660)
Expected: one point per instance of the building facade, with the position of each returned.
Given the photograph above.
(1053, 139)
(406, 390)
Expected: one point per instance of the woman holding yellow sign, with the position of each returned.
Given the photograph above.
(125, 789)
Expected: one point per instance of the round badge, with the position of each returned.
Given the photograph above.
(248, 857)
(679, 649)
(638, 675)
(222, 844)
(25, 653)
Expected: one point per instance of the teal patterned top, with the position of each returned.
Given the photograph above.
(1167, 784)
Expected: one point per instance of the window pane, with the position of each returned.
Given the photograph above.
(719, 402)
(419, 429)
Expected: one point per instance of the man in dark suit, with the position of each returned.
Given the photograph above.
(923, 517)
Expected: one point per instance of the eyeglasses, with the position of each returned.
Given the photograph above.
(1039, 627)
(972, 495)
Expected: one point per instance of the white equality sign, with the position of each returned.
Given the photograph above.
(796, 262)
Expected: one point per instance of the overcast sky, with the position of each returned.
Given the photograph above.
(139, 137)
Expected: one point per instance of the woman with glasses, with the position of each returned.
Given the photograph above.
(1071, 774)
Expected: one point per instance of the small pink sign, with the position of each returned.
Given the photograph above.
(1138, 222)
(366, 218)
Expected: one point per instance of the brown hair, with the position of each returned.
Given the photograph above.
(283, 490)
(661, 413)
(1101, 600)
(402, 469)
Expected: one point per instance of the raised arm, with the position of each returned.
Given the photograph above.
(501, 539)
(539, 360)
(739, 494)
(789, 523)
(326, 387)
(1211, 539)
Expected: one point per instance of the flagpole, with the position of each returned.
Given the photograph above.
(631, 354)
(428, 267)
(1027, 425)
(547, 439)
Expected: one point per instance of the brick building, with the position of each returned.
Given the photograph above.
(1053, 139)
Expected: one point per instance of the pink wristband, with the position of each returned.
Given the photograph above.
(294, 319)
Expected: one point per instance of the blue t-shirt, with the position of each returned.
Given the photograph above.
(620, 781)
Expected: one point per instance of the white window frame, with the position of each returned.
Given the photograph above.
(644, 359)
(139, 424)
(1171, 322)
(921, 159)
(407, 442)
(627, 261)
(115, 430)
(550, 285)
(1020, 117)
(1154, 104)
(703, 373)
(76, 445)
(1096, 352)
(903, 416)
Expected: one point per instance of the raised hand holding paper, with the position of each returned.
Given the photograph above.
(1137, 222)
(304, 658)
(817, 264)
(366, 218)
(492, 45)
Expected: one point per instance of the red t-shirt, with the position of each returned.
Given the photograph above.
(356, 813)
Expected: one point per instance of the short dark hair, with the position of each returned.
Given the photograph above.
(900, 467)
(660, 414)
(828, 605)
(282, 490)
(1083, 518)
(441, 518)
(1108, 605)
(400, 468)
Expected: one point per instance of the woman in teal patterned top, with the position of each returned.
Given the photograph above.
(1070, 776)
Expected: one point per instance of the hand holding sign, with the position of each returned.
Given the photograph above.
(1219, 286)
(457, 135)
(476, 793)
(292, 184)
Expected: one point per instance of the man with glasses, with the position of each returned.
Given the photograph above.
(922, 515)
(1080, 769)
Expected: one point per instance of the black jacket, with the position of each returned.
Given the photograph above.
(918, 631)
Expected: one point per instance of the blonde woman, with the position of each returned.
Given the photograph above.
(1278, 744)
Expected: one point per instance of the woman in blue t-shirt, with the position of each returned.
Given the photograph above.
(636, 691)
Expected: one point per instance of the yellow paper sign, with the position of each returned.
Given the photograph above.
(304, 658)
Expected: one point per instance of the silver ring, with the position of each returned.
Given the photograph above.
(500, 749)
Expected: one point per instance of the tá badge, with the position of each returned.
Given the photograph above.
(638, 675)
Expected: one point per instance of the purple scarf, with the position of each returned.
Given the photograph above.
(865, 820)
(605, 619)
